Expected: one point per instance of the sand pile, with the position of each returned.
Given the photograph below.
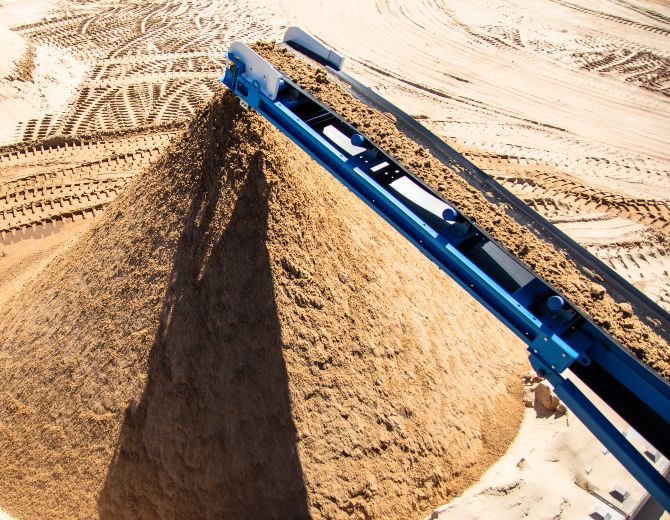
(239, 336)
(614, 317)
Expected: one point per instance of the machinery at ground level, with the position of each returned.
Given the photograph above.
(559, 336)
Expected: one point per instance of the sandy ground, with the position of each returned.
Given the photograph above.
(553, 470)
(38, 79)
(567, 106)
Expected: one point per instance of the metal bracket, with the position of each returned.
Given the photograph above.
(552, 352)
(257, 70)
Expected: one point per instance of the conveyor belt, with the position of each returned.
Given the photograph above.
(617, 286)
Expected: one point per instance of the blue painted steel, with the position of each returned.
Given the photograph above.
(557, 335)
(449, 214)
(555, 302)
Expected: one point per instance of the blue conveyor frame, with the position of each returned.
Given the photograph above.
(557, 333)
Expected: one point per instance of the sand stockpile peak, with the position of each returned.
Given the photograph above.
(239, 336)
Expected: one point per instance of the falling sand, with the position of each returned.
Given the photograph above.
(239, 336)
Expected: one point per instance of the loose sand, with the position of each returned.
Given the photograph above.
(554, 470)
(13, 49)
(238, 336)
(567, 107)
(530, 90)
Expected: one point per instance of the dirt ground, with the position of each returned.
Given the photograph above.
(566, 106)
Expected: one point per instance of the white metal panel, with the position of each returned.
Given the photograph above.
(257, 69)
(306, 40)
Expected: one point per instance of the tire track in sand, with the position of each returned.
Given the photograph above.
(568, 191)
(618, 19)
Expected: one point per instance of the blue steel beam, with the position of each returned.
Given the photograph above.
(556, 332)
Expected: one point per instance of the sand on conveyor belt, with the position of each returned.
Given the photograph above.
(241, 337)
(616, 318)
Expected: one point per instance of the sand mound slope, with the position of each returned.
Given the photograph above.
(240, 337)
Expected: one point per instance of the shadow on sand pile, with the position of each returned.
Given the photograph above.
(241, 337)
(213, 435)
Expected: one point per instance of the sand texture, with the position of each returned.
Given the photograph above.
(539, 255)
(566, 106)
(239, 337)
